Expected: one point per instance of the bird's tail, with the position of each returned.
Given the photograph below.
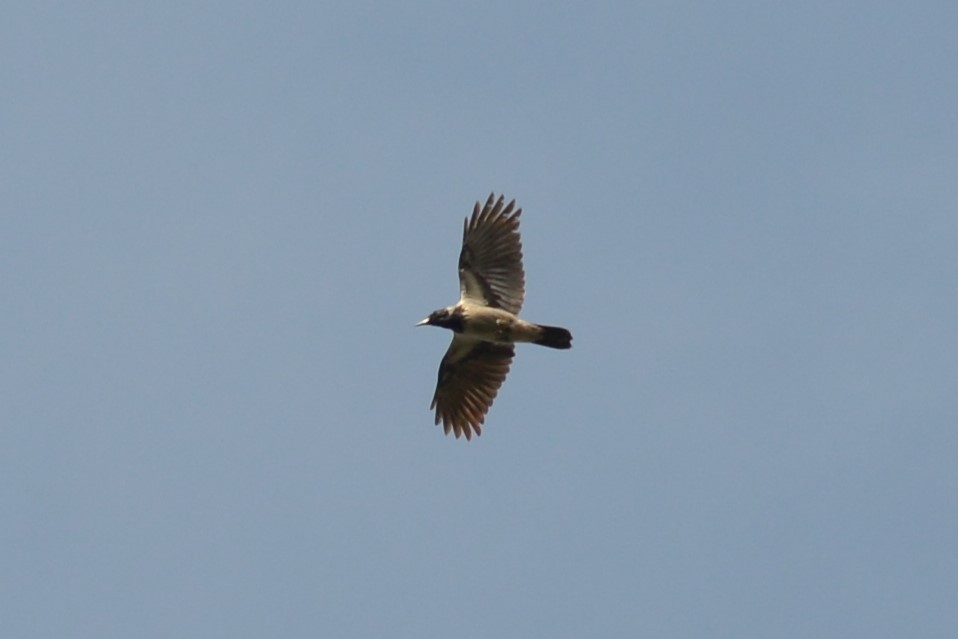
(554, 337)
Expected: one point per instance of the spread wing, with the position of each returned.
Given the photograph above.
(490, 263)
(470, 375)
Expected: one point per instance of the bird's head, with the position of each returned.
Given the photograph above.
(450, 317)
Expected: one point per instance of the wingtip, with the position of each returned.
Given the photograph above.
(466, 430)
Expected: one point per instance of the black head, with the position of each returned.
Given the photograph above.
(446, 318)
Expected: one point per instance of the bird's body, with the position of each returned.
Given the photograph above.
(485, 321)
(490, 324)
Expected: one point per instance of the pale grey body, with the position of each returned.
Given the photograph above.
(498, 326)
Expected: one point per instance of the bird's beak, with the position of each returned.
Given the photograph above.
(424, 322)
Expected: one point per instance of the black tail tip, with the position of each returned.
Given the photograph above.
(555, 337)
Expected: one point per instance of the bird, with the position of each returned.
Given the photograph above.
(485, 321)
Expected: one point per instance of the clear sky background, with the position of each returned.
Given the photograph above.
(220, 221)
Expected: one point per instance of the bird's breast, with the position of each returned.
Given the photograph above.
(496, 325)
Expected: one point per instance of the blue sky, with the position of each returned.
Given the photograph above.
(220, 221)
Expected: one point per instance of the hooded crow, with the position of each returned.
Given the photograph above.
(485, 321)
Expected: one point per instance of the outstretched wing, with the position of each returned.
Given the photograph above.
(470, 375)
(490, 263)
